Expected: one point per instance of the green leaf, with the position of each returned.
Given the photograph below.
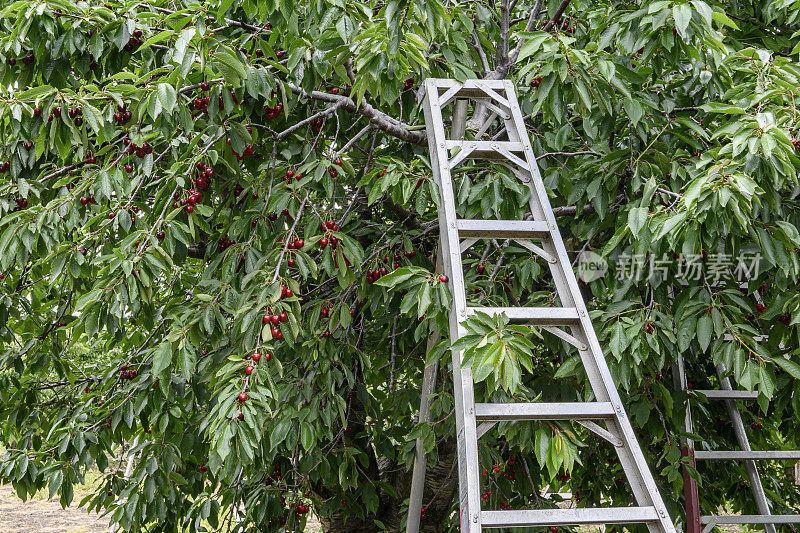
(162, 358)
(167, 96)
(637, 218)
(683, 15)
(705, 327)
(788, 365)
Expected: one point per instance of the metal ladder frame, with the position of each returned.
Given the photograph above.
(500, 99)
(696, 523)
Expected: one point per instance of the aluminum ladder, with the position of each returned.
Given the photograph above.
(697, 523)
(496, 100)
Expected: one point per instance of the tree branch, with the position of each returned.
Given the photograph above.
(484, 60)
(378, 119)
(557, 15)
(537, 10)
(568, 154)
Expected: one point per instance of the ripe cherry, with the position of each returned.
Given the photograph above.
(337, 162)
(84, 200)
(248, 370)
(242, 396)
(283, 316)
(323, 242)
(299, 243)
(240, 415)
(112, 214)
(290, 173)
(481, 269)
(760, 307)
(443, 278)
(128, 168)
(37, 111)
(256, 357)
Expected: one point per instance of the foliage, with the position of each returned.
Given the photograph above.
(232, 177)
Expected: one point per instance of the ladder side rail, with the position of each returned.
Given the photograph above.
(631, 457)
(744, 443)
(464, 396)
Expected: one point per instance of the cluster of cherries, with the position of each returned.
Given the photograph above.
(225, 243)
(140, 151)
(290, 174)
(535, 82)
(329, 226)
(409, 83)
(204, 177)
(122, 115)
(84, 200)
(4, 166)
(124, 373)
(273, 112)
(27, 60)
(796, 143)
(134, 42)
(300, 509)
(22, 203)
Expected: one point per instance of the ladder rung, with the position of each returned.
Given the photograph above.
(559, 517)
(752, 519)
(503, 229)
(738, 455)
(544, 411)
(728, 394)
(487, 149)
(540, 316)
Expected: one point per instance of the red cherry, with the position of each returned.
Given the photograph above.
(275, 319)
(242, 396)
(267, 357)
(337, 162)
(257, 356)
(289, 293)
(290, 173)
(189, 208)
(112, 214)
(84, 200)
(128, 168)
(481, 269)
(240, 415)
(248, 370)
(760, 307)
(275, 332)
(299, 243)
(443, 278)
(323, 242)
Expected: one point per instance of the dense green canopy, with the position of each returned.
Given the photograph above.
(186, 184)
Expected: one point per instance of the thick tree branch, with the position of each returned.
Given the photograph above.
(378, 119)
(535, 12)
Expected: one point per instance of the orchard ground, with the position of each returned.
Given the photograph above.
(41, 515)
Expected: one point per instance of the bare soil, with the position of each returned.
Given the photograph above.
(45, 516)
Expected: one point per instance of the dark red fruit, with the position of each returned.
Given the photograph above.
(242, 396)
(248, 370)
(443, 278)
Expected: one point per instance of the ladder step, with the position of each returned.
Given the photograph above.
(487, 149)
(498, 412)
(540, 316)
(559, 517)
(737, 455)
(503, 229)
(728, 394)
(751, 519)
